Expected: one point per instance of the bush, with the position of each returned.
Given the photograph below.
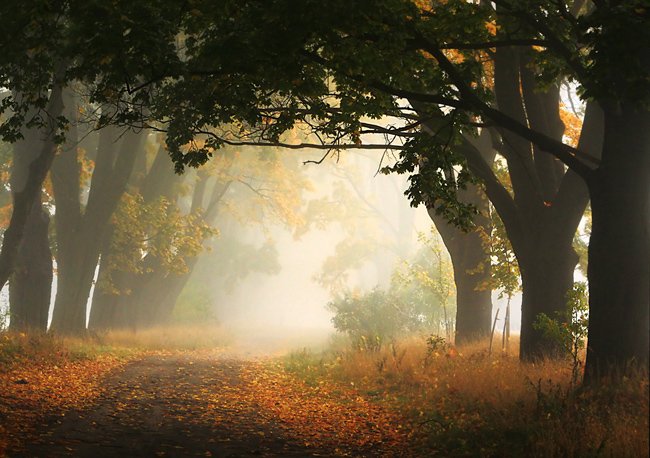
(569, 327)
(373, 319)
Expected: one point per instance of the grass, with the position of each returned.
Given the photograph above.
(19, 347)
(464, 402)
(171, 337)
(459, 401)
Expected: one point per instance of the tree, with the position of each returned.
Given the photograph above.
(47, 45)
(31, 281)
(32, 170)
(80, 228)
(472, 267)
(155, 244)
(470, 259)
(408, 54)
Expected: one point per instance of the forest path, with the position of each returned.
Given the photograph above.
(194, 404)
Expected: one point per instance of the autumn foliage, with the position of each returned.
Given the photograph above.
(411, 398)
(41, 376)
(464, 402)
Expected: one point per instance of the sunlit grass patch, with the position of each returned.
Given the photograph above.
(38, 347)
(466, 402)
(170, 337)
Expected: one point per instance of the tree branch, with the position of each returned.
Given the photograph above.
(496, 44)
(572, 157)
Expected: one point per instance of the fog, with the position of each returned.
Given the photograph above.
(286, 310)
(285, 306)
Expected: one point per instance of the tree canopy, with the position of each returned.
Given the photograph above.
(213, 74)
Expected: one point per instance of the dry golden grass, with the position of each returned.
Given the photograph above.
(464, 402)
(170, 337)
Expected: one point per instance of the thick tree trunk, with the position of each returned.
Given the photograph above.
(115, 311)
(112, 311)
(31, 284)
(472, 272)
(547, 269)
(619, 249)
(25, 195)
(150, 303)
(155, 301)
(473, 300)
(73, 288)
(79, 257)
(548, 202)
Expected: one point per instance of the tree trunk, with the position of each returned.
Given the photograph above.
(155, 301)
(547, 268)
(31, 283)
(115, 311)
(112, 311)
(473, 299)
(619, 248)
(78, 259)
(25, 195)
(472, 272)
(73, 288)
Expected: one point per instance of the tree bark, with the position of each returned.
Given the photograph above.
(543, 215)
(114, 311)
(29, 192)
(155, 300)
(30, 286)
(153, 295)
(619, 248)
(78, 259)
(31, 283)
(472, 272)
(547, 269)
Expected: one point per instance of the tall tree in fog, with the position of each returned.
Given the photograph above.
(82, 223)
(148, 221)
(33, 155)
(471, 262)
(541, 205)
(47, 46)
(351, 203)
(258, 186)
(31, 282)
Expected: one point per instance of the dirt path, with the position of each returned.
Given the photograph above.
(183, 405)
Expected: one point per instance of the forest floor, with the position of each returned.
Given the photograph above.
(202, 395)
(201, 404)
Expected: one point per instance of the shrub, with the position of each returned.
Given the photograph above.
(372, 319)
(569, 327)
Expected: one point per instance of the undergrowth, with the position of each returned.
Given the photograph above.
(17, 347)
(464, 402)
(171, 337)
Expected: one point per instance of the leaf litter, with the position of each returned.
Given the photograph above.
(192, 403)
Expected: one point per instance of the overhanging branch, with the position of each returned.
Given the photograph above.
(580, 162)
